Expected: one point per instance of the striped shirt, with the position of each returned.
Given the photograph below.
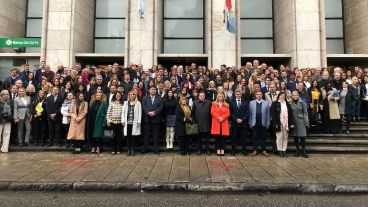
(114, 113)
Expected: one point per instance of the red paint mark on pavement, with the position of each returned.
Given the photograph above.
(217, 164)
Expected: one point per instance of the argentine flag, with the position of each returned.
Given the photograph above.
(141, 8)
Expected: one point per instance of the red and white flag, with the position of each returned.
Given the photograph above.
(228, 5)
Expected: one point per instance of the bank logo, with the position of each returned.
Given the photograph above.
(8, 42)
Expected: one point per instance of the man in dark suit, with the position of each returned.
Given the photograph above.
(53, 106)
(202, 116)
(40, 70)
(13, 93)
(239, 117)
(152, 106)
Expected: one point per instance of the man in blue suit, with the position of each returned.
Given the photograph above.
(259, 122)
(239, 116)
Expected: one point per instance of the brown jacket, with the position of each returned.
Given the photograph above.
(77, 130)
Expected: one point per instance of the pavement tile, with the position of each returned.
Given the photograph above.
(161, 170)
(170, 168)
(180, 169)
(123, 170)
(217, 169)
(199, 169)
(143, 169)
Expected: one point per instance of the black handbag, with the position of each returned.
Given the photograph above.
(191, 128)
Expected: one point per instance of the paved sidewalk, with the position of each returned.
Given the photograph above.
(171, 171)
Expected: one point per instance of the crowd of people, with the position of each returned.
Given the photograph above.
(187, 105)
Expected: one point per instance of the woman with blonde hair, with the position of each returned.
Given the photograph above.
(131, 120)
(220, 112)
(96, 119)
(183, 115)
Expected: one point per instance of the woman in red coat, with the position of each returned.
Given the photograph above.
(220, 124)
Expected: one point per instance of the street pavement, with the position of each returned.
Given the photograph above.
(210, 199)
(171, 171)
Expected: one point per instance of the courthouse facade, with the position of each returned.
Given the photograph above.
(303, 33)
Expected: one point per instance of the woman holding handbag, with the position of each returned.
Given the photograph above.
(131, 120)
(114, 120)
(183, 115)
(220, 112)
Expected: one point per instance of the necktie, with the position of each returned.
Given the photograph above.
(152, 99)
(55, 97)
(239, 103)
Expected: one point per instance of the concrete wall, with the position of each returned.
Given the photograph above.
(12, 20)
(223, 43)
(140, 43)
(59, 29)
(308, 36)
(284, 27)
(297, 31)
(83, 25)
(356, 26)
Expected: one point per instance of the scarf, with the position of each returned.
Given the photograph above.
(284, 116)
(187, 112)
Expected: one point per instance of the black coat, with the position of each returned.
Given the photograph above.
(170, 106)
(275, 116)
(179, 122)
(6, 119)
(201, 113)
(157, 107)
(348, 106)
(239, 113)
(54, 107)
(211, 95)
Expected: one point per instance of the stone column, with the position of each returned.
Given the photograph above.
(59, 32)
(223, 43)
(308, 37)
(141, 34)
(356, 26)
(298, 31)
(82, 26)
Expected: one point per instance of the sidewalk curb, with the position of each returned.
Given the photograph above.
(185, 187)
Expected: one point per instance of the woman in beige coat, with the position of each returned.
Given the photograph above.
(78, 114)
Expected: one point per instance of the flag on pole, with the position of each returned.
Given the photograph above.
(231, 23)
(230, 18)
(228, 5)
(141, 8)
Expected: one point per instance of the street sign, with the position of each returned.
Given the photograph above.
(20, 42)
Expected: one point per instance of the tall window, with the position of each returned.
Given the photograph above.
(183, 26)
(334, 26)
(34, 22)
(110, 26)
(256, 26)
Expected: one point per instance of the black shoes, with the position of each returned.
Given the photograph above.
(297, 153)
(304, 154)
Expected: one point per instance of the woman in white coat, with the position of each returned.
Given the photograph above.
(131, 120)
